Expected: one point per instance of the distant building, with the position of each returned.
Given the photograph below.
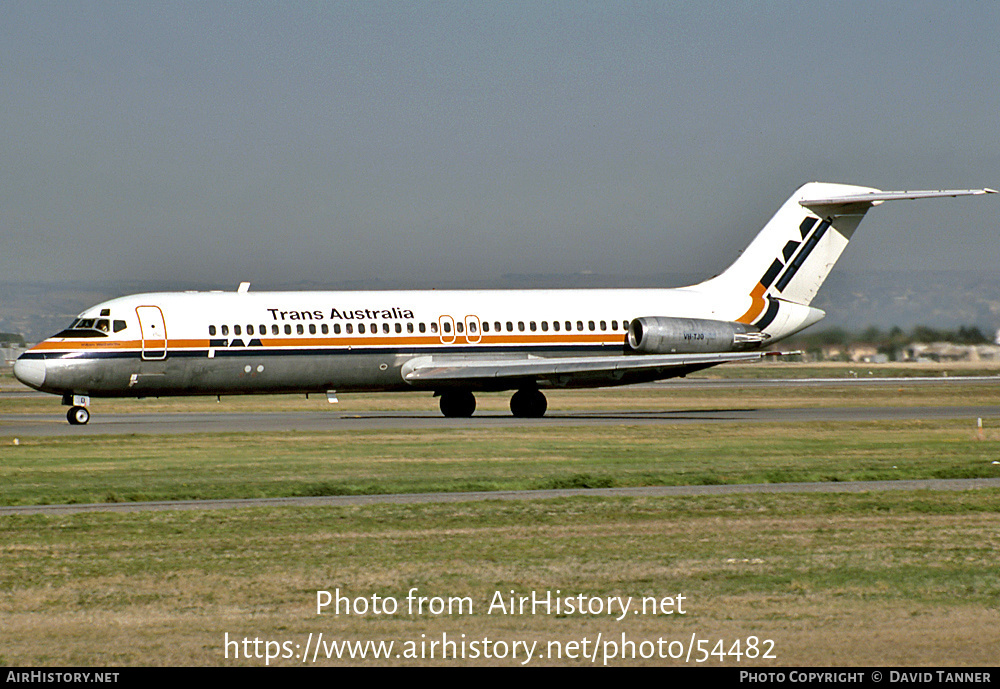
(865, 354)
(857, 353)
(946, 351)
(8, 355)
(11, 346)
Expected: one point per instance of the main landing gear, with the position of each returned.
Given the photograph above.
(458, 403)
(528, 403)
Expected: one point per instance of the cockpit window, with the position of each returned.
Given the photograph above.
(86, 327)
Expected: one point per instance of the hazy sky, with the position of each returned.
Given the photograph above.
(277, 142)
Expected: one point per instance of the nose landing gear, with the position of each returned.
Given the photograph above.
(78, 416)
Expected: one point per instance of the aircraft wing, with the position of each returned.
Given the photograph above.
(562, 370)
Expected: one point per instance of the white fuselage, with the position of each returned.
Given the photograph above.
(228, 343)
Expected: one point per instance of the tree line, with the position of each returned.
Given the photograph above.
(888, 341)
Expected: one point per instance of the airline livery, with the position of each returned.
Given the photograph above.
(457, 343)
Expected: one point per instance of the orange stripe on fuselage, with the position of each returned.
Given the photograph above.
(66, 344)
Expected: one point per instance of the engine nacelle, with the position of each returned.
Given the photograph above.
(663, 335)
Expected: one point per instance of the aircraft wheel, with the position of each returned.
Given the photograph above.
(78, 416)
(528, 404)
(458, 403)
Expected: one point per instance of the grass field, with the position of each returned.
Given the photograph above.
(42, 470)
(894, 578)
(878, 579)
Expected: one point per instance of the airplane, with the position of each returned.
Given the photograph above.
(456, 343)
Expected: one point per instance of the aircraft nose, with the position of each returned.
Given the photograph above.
(31, 372)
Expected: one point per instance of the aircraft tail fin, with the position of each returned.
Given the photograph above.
(791, 257)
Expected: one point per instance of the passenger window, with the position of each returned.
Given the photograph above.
(460, 327)
(423, 327)
(374, 328)
(211, 331)
(569, 326)
(325, 329)
(555, 325)
(614, 325)
(472, 327)
(434, 328)
(237, 330)
(225, 330)
(409, 328)
(399, 327)
(545, 326)
(249, 330)
(532, 326)
(496, 326)
(288, 329)
(274, 329)
(579, 325)
(604, 325)
(312, 329)
(262, 329)
(591, 326)
(299, 330)
(486, 326)
(350, 329)
(336, 328)
(520, 326)
(447, 326)
(361, 328)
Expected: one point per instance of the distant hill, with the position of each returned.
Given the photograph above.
(852, 300)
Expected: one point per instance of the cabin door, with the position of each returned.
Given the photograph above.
(154, 332)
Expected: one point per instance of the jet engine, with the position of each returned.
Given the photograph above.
(662, 335)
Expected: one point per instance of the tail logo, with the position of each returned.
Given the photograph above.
(783, 268)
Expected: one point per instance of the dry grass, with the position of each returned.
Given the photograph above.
(834, 580)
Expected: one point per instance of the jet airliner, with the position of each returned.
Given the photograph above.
(457, 343)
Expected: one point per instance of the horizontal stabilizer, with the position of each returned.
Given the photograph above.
(830, 204)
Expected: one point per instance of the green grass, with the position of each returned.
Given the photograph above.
(130, 468)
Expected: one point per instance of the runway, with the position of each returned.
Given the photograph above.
(415, 498)
(27, 425)
(174, 423)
